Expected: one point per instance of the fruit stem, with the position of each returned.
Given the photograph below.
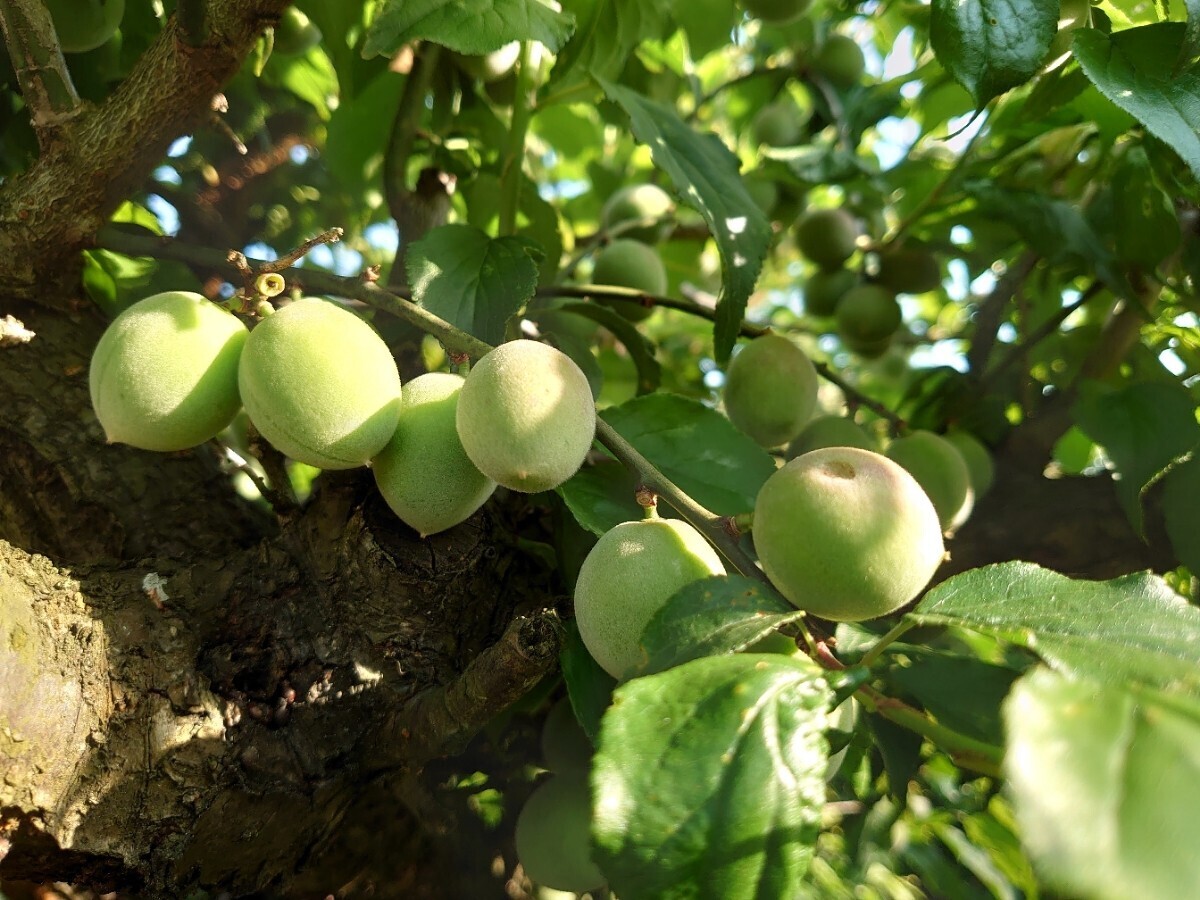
(510, 171)
(707, 523)
(872, 656)
(965, 751)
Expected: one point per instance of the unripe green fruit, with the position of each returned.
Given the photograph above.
(320, 385)
(777, 12)
(867, 315)
(295, 33)
(827, 236)
(764, 192)
(423, 473)
(867, 349)
(647, 204)
(846, 534)
(841, 60)
(770, 390)
(825, 288)
(630, 573)
(83, 25)
(566, 749)
(526, 416)
(553, 835)
(164, 374)
(829, 431)
(778, 125)
(911, 269)
(941, 470)
(630, 264)
(978, 459)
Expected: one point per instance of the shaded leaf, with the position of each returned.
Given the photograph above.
(607, 33)
(705, 174)
(589, 686)
(720, 614)
(473, 281)
(1130, 628)
(991, 46)
(1134, 69)
(1143, 429)
(469, 26)
(1106, 783)
(709, 780)
(1181, 509)
(601, 496)
(640, 350)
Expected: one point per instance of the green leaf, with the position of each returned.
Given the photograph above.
(358, 132)
(1134, 69)
(601, 496)
(707, 23)
(991, 46)
(1190, 47)
(901, 752)
(310, 77)
(1106, 783)
(720, 614)
(474, 27)
(1147, 228)
(589, 686)
(1143, 428)
(473, 281)
(1181, 488)
(705, 175)
(1130, 628)
(607, 34)
(1056, 228)
(962, 693)
(709, 780)
(640, 350)
(697, 448)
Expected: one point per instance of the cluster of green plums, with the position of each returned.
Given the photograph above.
(322, 387)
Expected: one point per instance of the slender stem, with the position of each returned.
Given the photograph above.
(1043, 331)
(404, 128)
(712, 526)
(935, 194)
(42, 74)
(857, 397)
(630, 295)
(872, 656)
(332, 236)
(758, 72)
(510, 170)
(990, 312)
(965, 751)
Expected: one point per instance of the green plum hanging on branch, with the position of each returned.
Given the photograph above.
(164, 374)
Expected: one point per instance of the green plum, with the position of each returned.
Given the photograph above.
(526, 416)
(423, 473)
(941, 470)
(630, 264)
(320, 385)
(770, 390)
(630, 573)
(829, 431)
(646, 204)
(827, 236)
(164, 375)
(553, 835)
(846, 534)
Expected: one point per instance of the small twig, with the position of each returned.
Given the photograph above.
(855, 397)
(927, 202)
(872, 656)
(511, 168)
(991, 311)
(332, 236)
(278, 489)
(757, 72)
(630, 295)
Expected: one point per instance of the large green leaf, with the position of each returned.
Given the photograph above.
(1106, 784)
(589, 686)
(707, 23)
(1135, 70)
(473, 281)
(991, 46)
(720, 614)
(1143, 428)
(358, 133)
(601, 496)
(705, 174)
(710, 779)
(1146, 225)
(607, 33)
(468, 26)
(1130, 628)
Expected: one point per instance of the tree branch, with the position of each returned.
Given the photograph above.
(46, 85)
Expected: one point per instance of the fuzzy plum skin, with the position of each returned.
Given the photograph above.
(526, 416)
(941, 470)
(553, 835)
(846, 534)
(164, 374)
(829, 431)
(320, 385)
(630, 573)
(770, 390)
(423, 473)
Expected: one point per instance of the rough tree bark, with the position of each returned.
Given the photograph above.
(196, 696)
